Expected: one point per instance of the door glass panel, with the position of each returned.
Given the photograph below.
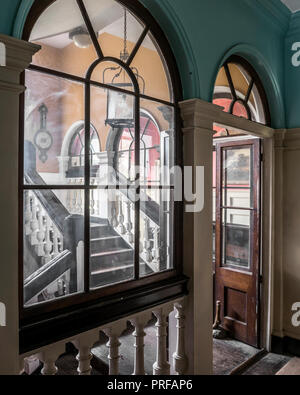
(236, 238)
(237, 177)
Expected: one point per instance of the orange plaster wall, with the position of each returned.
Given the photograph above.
(68, 107)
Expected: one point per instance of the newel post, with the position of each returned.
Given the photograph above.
(198, 118)
(17, 57)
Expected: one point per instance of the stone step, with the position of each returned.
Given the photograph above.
(102, 230)
(107, 243)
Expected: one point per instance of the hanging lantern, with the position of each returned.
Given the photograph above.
(120, 105)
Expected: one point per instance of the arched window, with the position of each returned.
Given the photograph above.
(86, 232)
(77, 152)
(239, 91)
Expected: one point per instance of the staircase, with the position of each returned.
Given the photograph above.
(112, 258)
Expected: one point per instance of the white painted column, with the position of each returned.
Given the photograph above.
(49, 357)
(161, 366)
(198, 117)
(84, 344)
(139, 324)
(179, 357)
(18, 57)
(113, 333)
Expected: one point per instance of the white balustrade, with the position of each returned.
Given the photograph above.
(41, 231)
(84, 343)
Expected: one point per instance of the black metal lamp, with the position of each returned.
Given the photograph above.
(120, 106)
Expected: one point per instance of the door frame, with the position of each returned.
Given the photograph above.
(253, 336)
(267, 136)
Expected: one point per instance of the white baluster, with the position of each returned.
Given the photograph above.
(179, 357)
(34, 223)
(79, 200)
(84, 345)
(113, 333)
(129, 224)
(114, 219)
(146, 241)
(28, 213)
(55, 242)
(49, 358)
(92, 202)
(156, 246)
(161, 365)
(40, 233)
(74, 199)
(121, 218)
(69, 196)
(139, 323)
(48, 242)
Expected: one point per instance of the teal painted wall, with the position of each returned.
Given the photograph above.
(202, 32)
(213, 27)
(292, 76)
(8, 12)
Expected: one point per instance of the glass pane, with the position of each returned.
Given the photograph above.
(156, 231)
(157, 144)
(237, 177)
(236, 238)
(237, 197)
(112, 115)
(108, 20)
(237, 164)
(110, 73)
(66, 44)
(53, 245)
(112, 237)
(54, 110)
(152, 73)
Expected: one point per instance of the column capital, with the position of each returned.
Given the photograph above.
(197, 113)
(18, 56)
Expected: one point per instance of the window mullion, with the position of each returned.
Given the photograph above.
(137, 188)
(90, 28)
(87, 187)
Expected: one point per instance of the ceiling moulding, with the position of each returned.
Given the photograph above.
(274, 11)
(294, 25)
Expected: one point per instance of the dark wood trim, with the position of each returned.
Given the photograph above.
(223, 272)
(50, 328)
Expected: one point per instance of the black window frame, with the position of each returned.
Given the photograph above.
(30, 316)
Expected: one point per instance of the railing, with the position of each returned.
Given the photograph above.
(42, 233)
(120, 213)
(164, 364)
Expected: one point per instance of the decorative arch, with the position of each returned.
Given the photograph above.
(266, 75)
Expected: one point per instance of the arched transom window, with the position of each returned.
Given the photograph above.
(239, 91)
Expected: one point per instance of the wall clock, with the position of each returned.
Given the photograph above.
(43, 139)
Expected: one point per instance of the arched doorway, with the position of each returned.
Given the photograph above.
(237, 205)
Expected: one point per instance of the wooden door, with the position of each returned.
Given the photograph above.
(237, 255)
